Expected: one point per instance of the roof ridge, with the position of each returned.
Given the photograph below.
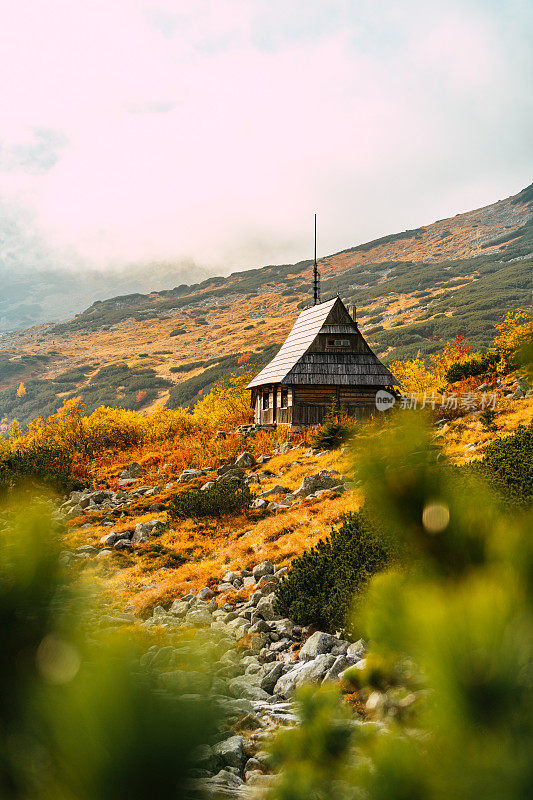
(303, 333)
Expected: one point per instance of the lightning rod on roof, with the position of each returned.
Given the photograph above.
(316, 276)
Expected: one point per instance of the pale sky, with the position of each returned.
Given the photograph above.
(211, 130)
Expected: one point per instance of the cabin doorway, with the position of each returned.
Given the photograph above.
(275, 405)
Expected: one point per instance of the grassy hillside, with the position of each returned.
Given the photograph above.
(413, 290)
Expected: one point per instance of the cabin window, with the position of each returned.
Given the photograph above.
(266, 398)
(338, 342)
(284, 398)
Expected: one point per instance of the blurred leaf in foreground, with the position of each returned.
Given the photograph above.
(446, 689)
(82, 716)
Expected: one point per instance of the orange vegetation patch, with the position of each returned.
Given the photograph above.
(213, 547)
(226, 545)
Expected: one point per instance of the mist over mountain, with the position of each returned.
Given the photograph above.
(34, 296)
(40, 284)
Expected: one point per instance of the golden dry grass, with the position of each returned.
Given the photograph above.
(141, 580)
(468, 430)
(214, 547)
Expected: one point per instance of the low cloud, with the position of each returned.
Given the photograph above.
(211, 132)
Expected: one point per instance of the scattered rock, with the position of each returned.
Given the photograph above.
(317, 644)
(133, 470)
(265, 568)
(265, 608)
(277, 489)
(231, 752)
(123, 544)
(189, 475)
(322, 480)
(245, 460)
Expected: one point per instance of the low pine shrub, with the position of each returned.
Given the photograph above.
(488, 419)
(156, 556)
(508, 465)
(38, 467)
(225, 497)
(471, 367)
(332, 434)
(323, 583)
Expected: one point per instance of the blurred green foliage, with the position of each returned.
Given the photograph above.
(82, 715)
(446, 688)
(312, 758)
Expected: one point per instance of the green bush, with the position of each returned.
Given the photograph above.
(488, 419)
(225, 497)
(508, 465)
(322, 584)
(39, 467)
(476, 364)
(445, 688)
(332, 434)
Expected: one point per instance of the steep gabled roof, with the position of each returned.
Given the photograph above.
(340, 369)
(295, 365)
(303, 334)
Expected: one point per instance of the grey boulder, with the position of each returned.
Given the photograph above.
(133, 470)
(245, 460)
(317, 644)
(265, 568)
(231, 752)
(304, 672)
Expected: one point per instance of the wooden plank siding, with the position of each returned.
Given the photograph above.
(309, 406)
(262, 416)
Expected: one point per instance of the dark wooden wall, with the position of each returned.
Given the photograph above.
(309, 405)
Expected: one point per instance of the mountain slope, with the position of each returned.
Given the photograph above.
(414, 291)
(33, 295)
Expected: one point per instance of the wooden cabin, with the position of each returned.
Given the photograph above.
(324, 364)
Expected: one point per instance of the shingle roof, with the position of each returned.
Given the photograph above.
(340, 369)
(305, 330)
(294, 365)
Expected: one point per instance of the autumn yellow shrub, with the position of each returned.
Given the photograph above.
(65, 430)
(166, 423)
(4, 448)
(514, 331)
(227, 404)
(414, 376)
(104, 429)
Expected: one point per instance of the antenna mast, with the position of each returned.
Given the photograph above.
(316, 288)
